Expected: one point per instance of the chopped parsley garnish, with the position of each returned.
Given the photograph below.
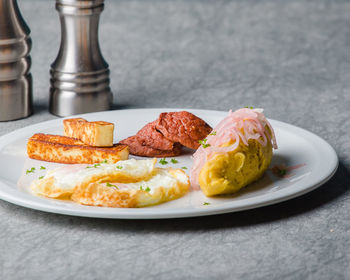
(119, 167)
(110, 185)
(146, 189)
(42, 167)
(41, 177)
(184, 167)
(97, 164)
(174, 161)
(163, 161)
(213, 133)
(30, 170)
(279, 170)
(283, 172)
(204, 143)
(249, 107)
(206, 203)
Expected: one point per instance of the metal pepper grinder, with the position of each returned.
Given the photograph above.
(15, 62)
(79, 75)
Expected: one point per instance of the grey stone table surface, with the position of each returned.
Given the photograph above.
(290, 57)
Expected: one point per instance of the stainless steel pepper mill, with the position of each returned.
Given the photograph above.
(79, 75)
(15, 62)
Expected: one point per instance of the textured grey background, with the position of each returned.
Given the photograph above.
(290, 57)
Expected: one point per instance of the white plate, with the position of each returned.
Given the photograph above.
(296, 146)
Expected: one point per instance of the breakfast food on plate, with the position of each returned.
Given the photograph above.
(63, 149)
(235, 154)
(165, 136)
(99, 134)
(136, 148)
(129, 183)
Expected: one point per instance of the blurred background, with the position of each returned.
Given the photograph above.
(211, 54)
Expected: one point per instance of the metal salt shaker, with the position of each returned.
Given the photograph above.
(79, 75)
(15, 62)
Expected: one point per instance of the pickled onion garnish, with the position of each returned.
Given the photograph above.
(241, 125)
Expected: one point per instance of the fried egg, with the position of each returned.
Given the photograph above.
(61, 182)
(128, 183)
(164, 185)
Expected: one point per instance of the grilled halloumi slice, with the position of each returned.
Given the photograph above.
(99, 133)
(62, 149)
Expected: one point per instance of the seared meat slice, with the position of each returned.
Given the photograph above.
(136, 148)
(150, 136)
(183, 127)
